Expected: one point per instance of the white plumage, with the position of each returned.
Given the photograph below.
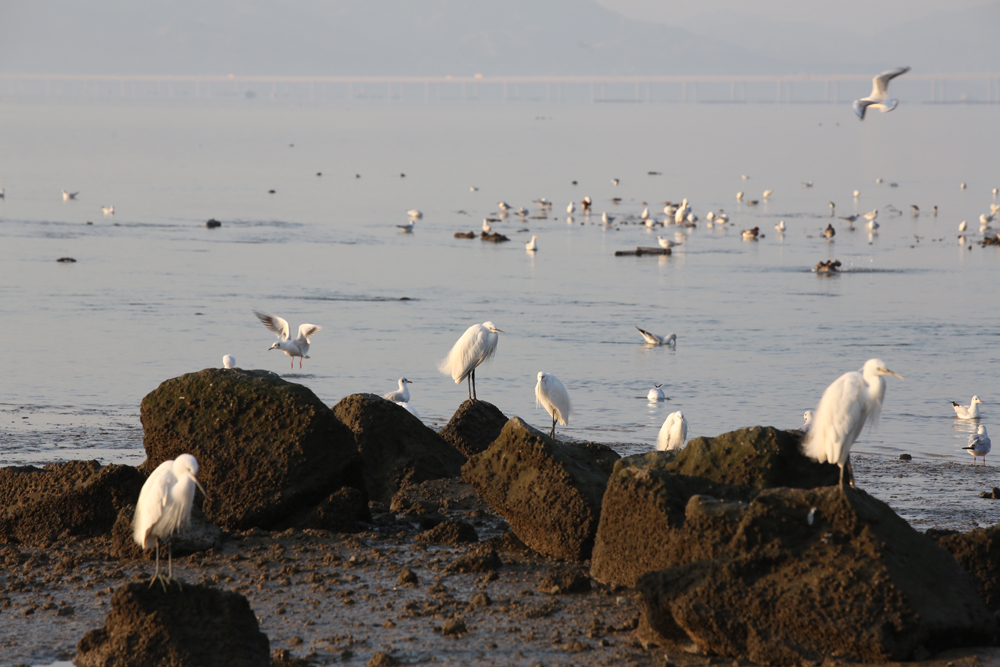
(531, 245)
(664, 242)
(165, 503)
(880, 91)
(979, 444)
(653, 339)
(551, 394)
(401, 395)
(847, 404)
(673, 433)
(655, 394)
(476, 346)
(971, 412)
(228, 361)
(299, 347)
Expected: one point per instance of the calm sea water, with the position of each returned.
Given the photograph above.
(154, 294)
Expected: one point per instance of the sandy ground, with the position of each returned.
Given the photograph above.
(334, 598)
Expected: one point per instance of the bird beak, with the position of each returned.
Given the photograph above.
(500, 331)
(198, 484)
(888, 372)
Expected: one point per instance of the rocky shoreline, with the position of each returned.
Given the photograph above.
(356, 534)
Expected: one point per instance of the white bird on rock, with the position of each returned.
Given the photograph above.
(401, 395)
(653, 339)
(476, 346)
(164, 505)
(979, 444)
(847, 404)
(673, 433)
(807, 417)
(971, 412)
(299, 347)
(880, 91)
(552, 395)
(228, 361)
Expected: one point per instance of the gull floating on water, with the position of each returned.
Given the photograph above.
(979, 444)
(614, 181)
(586, 203)
(401, 395)
(664, 243)
(414, 213)
(751, 234)
(739, 196)
(971, 412)
(655, 394)
(69, 195)
(607, 219)
(673, 433)
(768, 193)
(503, 206)
(880, 91)
(571, 208)
(299, 347)
(108, 210)
(531, 245)
(486, 226)
(962, 226)
(653, 339)
(857, 193)
(780, 226)
(228, 361)
(872, 225)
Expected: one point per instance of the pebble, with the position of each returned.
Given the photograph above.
(905, 457)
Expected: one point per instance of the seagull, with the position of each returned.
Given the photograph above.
(829, 232)
(807, 184)
(963, 185)
(414, 213)
(745, 177)
(503, 206)
(293, 348)
(653, 339)
(531, 245)
(751, 234)
(543, 202)
(607, 219)
(586, 203)
(664, 243)
(979, 444)
(971, 412)
(473, 188)
(645, 214)
(739, 196)
(673, 433)
(880, 89)
(870, 215)
(486, 226)
(721, 219)
(872, 225)
(850, 218)
(655, 394)
(523, 212)
(914, 210)
(962, 226)
(409, 408)
(69, 195)
(571, 208)
(808, 417)
(401, 395)
(408, 227)
(768, 193)
(614, 181)
(780, 226)
(2, 196)
(108, 210)
(228, 361)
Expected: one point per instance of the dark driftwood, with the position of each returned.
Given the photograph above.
(640, 251)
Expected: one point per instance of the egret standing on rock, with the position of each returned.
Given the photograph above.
(401, 395)
(979, 444)
(165, 504)
(846, 405)
(477, 345)
(673, 433)
(293, 348)
(552, 395)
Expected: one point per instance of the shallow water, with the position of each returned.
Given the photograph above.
(155, 294)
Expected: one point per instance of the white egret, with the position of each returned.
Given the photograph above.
(69, 195)
(880, 91)
(971, 412)
(108, 210)
(228, 361)
(477, 345)
(408, 227)
(293, 348)
(807, 417)
(847, 404)
(531, 245)
(552, 395)
(414, 213)
(165, 504)
(655, 394)
(401, 395)
(571, 208)
(673, 433)
(664, 242)
(653, 339)
(979, 444)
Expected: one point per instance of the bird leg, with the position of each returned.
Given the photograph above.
(850, 472)
(473, 376)
(468, 381)
(300, 362)
(553, 433)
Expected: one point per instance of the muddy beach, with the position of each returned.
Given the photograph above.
(435, 576)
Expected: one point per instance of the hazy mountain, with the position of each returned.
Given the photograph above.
(458, 37)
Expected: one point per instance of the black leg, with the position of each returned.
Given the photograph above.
(553, 433)
(473, 376)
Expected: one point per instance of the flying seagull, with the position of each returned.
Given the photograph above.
(880, 90)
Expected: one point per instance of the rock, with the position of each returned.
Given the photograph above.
(193, 626)
(397, 448)
(67, 260)
(479, 559)
(978, 552)
(382, 659)
(201, 535)
(465, 235)
(652, 519)
(852, 584)
(549, 492)
(758, 457)
(453, 626)
(449, 532)
(448, 493)
(268, 450)
(40, 505)
(474, 426)
(905, 457)
(343, 511)
(408, 578)
(565, 580)
(213, 223)
(495, 237)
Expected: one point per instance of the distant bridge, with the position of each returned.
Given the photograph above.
(803, 88)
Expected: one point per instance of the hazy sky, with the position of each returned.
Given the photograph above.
(859, 16)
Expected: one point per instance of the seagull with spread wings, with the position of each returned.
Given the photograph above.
(880, 91)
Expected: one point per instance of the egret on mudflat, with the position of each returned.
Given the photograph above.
(971, 412)
(655, 394)
(673, 433)
(552, 395)
(477, 345)
(880, 91)
(293, 348)
(228, 361)
(165, 504)
(851, 400)
(979, 444)
(653, 339)
(401, 395)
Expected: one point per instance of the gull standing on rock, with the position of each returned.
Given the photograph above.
(673, 433)
(293, 348)
(971, 412)
(477, 345)
(880, 90)
(653, 339)
(552, 395)
(807, 416)
(401, 395)
(847, 404)
(228, 361)
(979, 444)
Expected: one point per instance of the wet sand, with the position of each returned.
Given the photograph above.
(333, 598)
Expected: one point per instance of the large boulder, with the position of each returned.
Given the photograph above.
(474, 426)
(978, 552)
(758, 457)
(193, 626)
(81, 498)
(199, 535)
(267, 449)
(549, 492)
(397, 448)
(805, 574)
